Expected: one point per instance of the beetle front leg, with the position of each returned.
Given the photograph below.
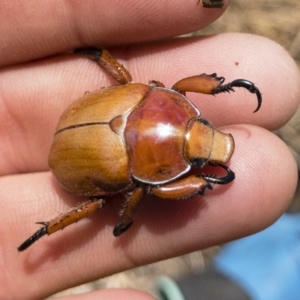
(211, 84)
(107, 62)
(192, 185)
(128, 211)
(74, 215)
(182, 188)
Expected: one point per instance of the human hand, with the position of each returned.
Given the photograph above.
(34, 94)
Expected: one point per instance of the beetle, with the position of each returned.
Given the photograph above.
(136, 139)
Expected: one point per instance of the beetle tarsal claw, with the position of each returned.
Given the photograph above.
(120, 228)
(220, 180)
(41, 232)
(248, 85)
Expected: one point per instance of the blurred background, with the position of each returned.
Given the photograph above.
(278, 20)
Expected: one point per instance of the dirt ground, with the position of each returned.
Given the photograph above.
(278, 20)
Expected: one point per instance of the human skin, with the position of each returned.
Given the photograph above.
(38, 80)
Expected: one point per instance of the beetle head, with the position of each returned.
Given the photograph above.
(206, 144)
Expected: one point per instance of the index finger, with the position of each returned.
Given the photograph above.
(41, 91)
(63, 25)
(88, 250)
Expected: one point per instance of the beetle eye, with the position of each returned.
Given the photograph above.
(197, 162)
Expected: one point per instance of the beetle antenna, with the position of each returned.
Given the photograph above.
(248, 85)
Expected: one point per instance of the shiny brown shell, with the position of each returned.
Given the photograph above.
(108, 137)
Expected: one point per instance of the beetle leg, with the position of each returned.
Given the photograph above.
(128, 211)
(220, 180)
(77, 213)
(213, 3)
(108, 63)
(211, 84)
(191, 185)
(182, 188)
(241, 83)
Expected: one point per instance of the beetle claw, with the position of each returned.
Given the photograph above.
(41, 232)
(220, 180)
(120, 228)
(248, 85)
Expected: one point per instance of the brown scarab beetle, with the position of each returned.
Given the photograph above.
(136, 139)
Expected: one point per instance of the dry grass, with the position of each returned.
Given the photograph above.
(277, 19)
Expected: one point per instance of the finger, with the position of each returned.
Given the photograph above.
(233, 56)
(111, 294)
(50, 27)
(266, 176)
(35, 96)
